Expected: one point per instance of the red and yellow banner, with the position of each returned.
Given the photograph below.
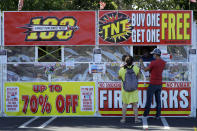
(115, 27)
(145, 27)
(78, 99)
(49, 99)
(49, 28)
(175, 99)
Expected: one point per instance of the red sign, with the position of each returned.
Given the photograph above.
(49, 28)
(175, 99)
(145, 27)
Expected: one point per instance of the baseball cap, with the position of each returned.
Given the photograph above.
(156, 51)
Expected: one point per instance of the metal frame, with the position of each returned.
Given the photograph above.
(0, 31)
(96, 46)
(195, 42)
(3, 68)
(62, 54)
(193, 61)
(36, 54)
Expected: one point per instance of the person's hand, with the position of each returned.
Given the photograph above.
(121, 65)
(141, 60)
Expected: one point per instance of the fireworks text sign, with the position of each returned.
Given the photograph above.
(145, 27)
(49, 28)
(175, 99)
(115, 27)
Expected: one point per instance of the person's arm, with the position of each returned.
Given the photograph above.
(146, 69)
(120, 78)
(119, 74)
(138, 75)
(143, 67)
(137, 71)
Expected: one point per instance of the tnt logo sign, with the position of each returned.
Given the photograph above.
(51, 29)
(115, 27)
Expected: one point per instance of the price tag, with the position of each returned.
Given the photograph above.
(192, 51)
(97, 55)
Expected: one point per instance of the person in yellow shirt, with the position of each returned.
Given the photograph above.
(129, 97)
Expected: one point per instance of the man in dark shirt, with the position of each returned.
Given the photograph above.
(156, 68)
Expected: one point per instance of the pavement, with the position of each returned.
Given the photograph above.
(95, 124)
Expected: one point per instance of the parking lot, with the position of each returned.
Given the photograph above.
(94, 123)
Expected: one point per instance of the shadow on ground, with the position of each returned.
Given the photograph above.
(12, 123)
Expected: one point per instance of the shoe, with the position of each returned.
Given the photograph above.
(144, 117)
(122, 121)
(138, 121)
(157, 117)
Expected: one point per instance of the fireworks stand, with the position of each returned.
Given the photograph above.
(66, 63)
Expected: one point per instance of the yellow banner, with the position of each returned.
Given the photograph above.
(49, 98)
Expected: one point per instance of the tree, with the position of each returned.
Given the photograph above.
(156, 5)
(31, 5)
(7, 5)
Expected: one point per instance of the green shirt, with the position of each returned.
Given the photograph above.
(122, 71)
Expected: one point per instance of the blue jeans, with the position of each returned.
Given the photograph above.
(153, 89)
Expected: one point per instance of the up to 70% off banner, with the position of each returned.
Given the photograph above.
(61, 102)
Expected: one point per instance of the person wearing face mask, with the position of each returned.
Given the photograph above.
(155, 68)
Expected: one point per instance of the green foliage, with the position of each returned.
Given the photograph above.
(31, 5)
(44, 5)
(7, 5)
(82, 5)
